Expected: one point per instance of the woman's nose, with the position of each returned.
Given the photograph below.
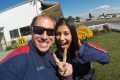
(62, 37)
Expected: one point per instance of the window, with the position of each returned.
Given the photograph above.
(14, 33)
(25, 31)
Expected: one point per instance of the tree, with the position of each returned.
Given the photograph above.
(71, 19)
(77, 18)
(103, 14)
(90, 15)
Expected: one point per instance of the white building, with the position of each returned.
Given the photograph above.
(118, 15)
(15, 21)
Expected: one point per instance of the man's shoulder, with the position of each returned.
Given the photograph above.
(19, 51)
(22, 49)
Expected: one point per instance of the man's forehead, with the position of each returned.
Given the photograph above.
(45, 21)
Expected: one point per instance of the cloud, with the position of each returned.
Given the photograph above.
(107, 9)
(102, 7)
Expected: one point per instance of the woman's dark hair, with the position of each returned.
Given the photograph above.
(74, 43)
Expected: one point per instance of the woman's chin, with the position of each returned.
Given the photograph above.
(64, 47)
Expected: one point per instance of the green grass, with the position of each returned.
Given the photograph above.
(111, 42)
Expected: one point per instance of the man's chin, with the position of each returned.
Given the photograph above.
(43, 49)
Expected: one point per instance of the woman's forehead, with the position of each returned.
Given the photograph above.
(63, 26)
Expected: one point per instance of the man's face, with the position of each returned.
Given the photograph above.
(43, 33)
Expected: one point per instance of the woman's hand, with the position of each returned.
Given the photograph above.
(65, 69)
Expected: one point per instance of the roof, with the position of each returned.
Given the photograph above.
(14, 6)
(53, 8)
(90, 23)
(46, 4)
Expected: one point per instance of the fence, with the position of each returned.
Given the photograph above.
(115, 26)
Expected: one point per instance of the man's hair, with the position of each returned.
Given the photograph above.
(45, 15)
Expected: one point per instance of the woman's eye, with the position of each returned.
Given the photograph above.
(57, 34)
(66, 33)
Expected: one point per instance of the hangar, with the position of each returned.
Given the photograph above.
(15, 21)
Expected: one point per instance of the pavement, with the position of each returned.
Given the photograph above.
(4, 54)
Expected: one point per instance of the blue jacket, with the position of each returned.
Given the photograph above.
(92, 52)
(88, 52)
(26, 63)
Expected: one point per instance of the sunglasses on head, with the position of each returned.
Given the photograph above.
(40, 30)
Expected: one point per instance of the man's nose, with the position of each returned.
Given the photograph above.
(44, 35)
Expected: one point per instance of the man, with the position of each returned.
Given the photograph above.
(34, 61)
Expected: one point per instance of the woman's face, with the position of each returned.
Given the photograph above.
(63, 36)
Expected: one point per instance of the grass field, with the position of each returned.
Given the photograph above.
(111, 42)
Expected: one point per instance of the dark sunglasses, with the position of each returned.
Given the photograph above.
(40, 30)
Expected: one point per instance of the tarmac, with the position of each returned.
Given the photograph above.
(3, 54)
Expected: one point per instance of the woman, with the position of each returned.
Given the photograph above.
(79, 55)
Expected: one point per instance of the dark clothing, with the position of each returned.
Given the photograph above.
(27, 63)
(88, 52)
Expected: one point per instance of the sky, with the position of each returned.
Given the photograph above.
(75, 8)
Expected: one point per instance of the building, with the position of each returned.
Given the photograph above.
(113, 24)
(15, 21)
(118, 15)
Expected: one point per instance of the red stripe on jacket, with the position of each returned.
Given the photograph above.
(97, 47)
(20, 50)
